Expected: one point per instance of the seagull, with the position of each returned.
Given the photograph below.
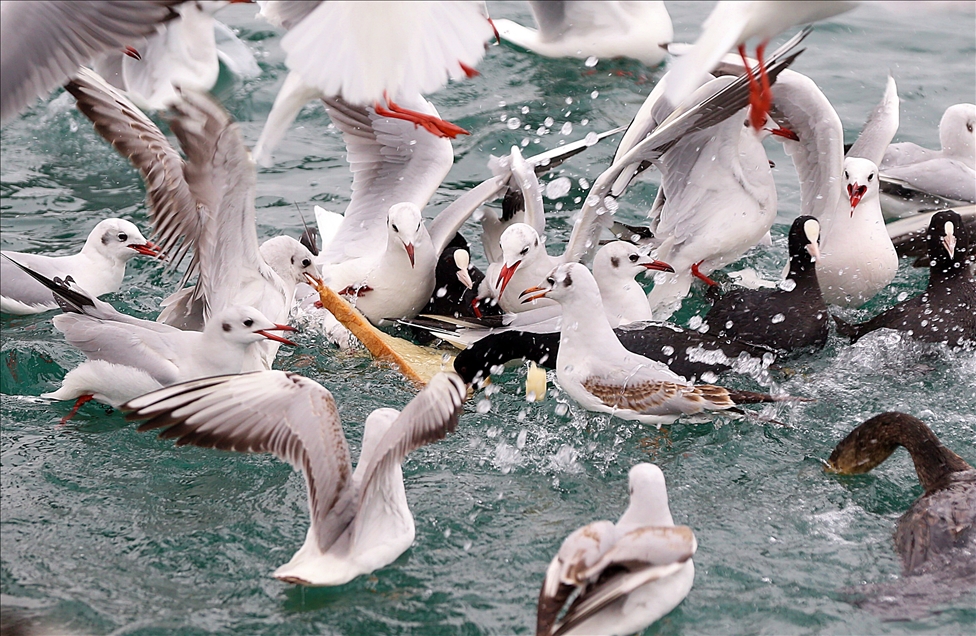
(730, 25)
(207, 199)
(638, 30)
(360, 521)
(949, 172)
(792, 316)
(946, 310)
(627, 575)
(44, 43)
(373, 54)
(98, 267)
(603, 376)
(128, 356)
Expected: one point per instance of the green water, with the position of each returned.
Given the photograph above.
(105, 530)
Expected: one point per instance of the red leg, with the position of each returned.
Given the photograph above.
(433, 125)
(756, 114)
(475, 307)
(765, 92)
(697, 274)
(84, 399)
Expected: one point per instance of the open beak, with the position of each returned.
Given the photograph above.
(855, 192)
(814, 250)
(409, 248)
(949, 242)
(785, 133)
(536, 294)
(505, 276)
(147, 249)
(660, 266)
(465, 278)
(271, 336)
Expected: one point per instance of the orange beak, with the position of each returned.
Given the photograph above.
(505, 276)
(537, 293)
(660, 266)
(271, 336)
(147, 249)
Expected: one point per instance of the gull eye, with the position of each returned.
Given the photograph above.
(524, 251)
(633, 258)
(226, 326)
(551, 280)
(846, 176)
(123, 236)
(969, 126)
(746, 123)
(306, 262)
(248, 323)
(870, 177)
(393, 225)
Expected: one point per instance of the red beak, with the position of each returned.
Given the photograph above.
(271, 336)
(785, 133)
(506, 275)
(537, 293)
(855, 192)
(147, 249)
(409, 248)
(660, 266)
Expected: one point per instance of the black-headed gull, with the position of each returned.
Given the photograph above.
(730, 25)
(44, 43)
(128, 356)
(627, 574)
(638, 30)
(946, 310)
(208, 201)
(949, 172)
(360, 521)
(603, 376)
(372, 54)
(790, 317)
(98, 267)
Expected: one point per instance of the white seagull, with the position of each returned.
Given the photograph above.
(949, 172)
(129, 356)
(638, 30)
(370, 54)
(628, 574)
(360, 521)
(209, 201)
(98, 267)
(603, 376)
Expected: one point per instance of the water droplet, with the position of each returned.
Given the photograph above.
(466, 546)
(778, 318)
(484, 406)
(729, 324)
(514, 123)
(525, 142)
(503, 117)
(441, 292)
(591, 138)
(525, 110)
(591, 62)
(520, 440)
(584, 122)
(902, 296)
(584, 183)
(695, 322)
(558, 188)
(566, 129)
(447, 533)
(562, 409)
(594, 94)
(548, 122)
(787, 284)
(667, 350)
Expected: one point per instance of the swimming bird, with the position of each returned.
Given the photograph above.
(731, 25)
(939, 529)
(790, 317)
(98, 268)
(360, 521)
(207, 202)
(373, 54)
(44, 43)
(128, 356)
(627, 574)
(946, 310)
(603, 376)
(949, 172)
(638, 30)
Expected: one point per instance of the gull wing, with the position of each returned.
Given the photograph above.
(392, 161)
(177, 221)
(429, 417)
(44, 43)
(285, 414)
(880, 128)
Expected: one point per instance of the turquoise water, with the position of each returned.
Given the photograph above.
(105, 530)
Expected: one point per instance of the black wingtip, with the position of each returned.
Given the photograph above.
(70, 300)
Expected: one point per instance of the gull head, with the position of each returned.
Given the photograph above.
(290, 259)
(770, 127)
(405, 227)
(519, 243)
(860, 180)
(648, 498)
(567, 283)
(244, 325)
(957, 132)
(119, 240)
(620, 260)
